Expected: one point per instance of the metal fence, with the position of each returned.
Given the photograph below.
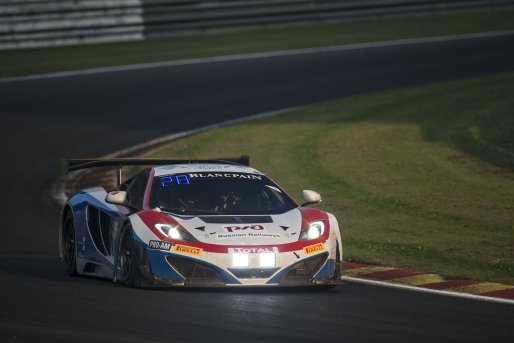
(33, 23)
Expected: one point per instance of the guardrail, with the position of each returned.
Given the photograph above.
(33, 23)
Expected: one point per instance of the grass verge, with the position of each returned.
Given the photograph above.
(419, 178)
(33, 61)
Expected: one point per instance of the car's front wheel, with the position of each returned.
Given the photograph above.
(128, 259)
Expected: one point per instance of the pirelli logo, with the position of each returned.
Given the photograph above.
(312, 249)
(185, 249)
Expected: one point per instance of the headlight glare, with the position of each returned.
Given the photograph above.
(240, 260)
(267, 259)
(313, 231)
(174, 232)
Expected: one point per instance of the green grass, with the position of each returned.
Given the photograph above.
(420, 178)
(32, 61)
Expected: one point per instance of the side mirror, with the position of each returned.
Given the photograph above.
(310, 197)
(116, 197)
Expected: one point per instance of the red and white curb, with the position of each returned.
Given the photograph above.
(427, 282)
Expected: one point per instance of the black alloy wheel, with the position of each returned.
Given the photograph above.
(125, 256)
(128, 259)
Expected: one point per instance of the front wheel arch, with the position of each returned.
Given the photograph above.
(128, 258)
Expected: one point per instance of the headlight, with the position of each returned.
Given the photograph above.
(174, 232)
(313, 231)
(240, 260)
(267, 259)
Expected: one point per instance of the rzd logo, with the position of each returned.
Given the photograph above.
(243, 228)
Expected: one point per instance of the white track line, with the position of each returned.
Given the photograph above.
(259, 55)
(428, 290)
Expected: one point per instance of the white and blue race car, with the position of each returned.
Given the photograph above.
(199, 223)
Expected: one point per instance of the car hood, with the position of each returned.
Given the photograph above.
(244, 229)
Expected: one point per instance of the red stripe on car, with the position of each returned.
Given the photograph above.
(309, 215)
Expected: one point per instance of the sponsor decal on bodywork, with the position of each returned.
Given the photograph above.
(186, 249)
(252, 250)
(246, 231)
(160, 245)
(247, 235)
(312, 249)
(225, 176)
(244, 228)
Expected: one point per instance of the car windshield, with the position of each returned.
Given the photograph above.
(219, 193)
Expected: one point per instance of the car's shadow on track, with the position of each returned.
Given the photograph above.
(49, 267)
(247, 290)
(35, 266)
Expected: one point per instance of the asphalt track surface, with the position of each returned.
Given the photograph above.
(91, 115)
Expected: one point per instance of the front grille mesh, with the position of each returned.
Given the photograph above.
(196, 274)
(303, 272)
(253, 273)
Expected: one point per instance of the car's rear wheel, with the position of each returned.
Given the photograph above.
(69, 247)
(128, 259)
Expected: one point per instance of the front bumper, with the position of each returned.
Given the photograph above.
(293, 268)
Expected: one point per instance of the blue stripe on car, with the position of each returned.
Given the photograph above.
(326, 271)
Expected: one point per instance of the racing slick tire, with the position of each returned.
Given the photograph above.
(128, 259)
(69, 247)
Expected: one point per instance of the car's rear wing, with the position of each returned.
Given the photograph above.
(68, 165)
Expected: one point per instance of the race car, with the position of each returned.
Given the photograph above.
(197, 223)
